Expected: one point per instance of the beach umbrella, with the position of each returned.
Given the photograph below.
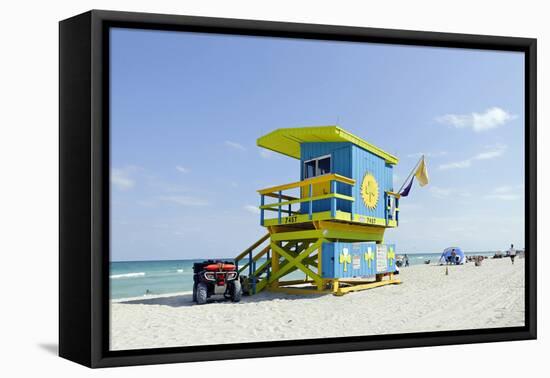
(447, 255)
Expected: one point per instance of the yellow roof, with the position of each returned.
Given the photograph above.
(287, 141)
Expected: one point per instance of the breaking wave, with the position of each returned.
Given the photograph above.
(127, 275)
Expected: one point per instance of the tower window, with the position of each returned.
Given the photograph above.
(317, 167)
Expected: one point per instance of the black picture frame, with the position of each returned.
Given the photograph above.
(84, 187)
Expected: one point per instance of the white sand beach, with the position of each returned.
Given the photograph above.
(470, 297)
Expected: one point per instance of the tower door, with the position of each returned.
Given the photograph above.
(313, 168)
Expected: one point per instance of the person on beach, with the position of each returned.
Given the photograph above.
(453, 257)
(478, 260)
(512, 253)
(406, 258)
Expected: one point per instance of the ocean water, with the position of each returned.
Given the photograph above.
(136, 278)
(130, 279)
(421, 258)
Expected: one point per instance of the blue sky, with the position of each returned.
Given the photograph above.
(186, 110)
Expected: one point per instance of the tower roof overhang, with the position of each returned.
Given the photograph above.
(287, 141)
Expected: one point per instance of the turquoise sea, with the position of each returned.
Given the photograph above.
(136, 278)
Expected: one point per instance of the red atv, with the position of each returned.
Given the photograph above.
(216, 277)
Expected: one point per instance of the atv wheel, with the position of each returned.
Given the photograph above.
(236, 291)
(194, 292)
(202, 293)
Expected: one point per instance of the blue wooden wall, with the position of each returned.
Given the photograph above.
(354, 162)
(340, 163)
(363, 162)
(332, 268)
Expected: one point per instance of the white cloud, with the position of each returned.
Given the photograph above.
(505, 193)
(120, 178)
(456, 164)
(503, 189)
(182, 169)
(252, 209)
(185, 200)
(503, 197)
(234, 145)
(492, 152)
(490, 119)
(439, 192)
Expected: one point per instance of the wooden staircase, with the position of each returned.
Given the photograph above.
(257, 277)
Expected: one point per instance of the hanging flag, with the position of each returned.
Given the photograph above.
(421, 173)
(407, 189)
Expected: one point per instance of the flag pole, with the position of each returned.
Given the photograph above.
(411, 173)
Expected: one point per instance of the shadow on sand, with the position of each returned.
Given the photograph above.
(186, 300)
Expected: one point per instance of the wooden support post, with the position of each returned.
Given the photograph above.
(280, 199)
(386, 210)
(310, 201)
(295, 261)
(253, 277)
(250, 271)
(335, 286)
(274, 264)
(333, 199)
(262, 202)
(268, 269)
(397, 211)
(320, 264)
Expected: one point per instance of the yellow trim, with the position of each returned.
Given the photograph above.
(336, 226)
(320, 266)
(252, 247)
(394, 194)
(297, 235)
(300, 218)
(255, 258)
(325, 215)
(307, 199)
(296, 261)
(339, 290)
(359, 236)
(261, 285)
(372, 220)
(295, 282)
(299, 290)
(275, 266)
(339, 286)
(287, 141)
(313, 180)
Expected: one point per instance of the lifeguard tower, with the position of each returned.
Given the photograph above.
(329, 225)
